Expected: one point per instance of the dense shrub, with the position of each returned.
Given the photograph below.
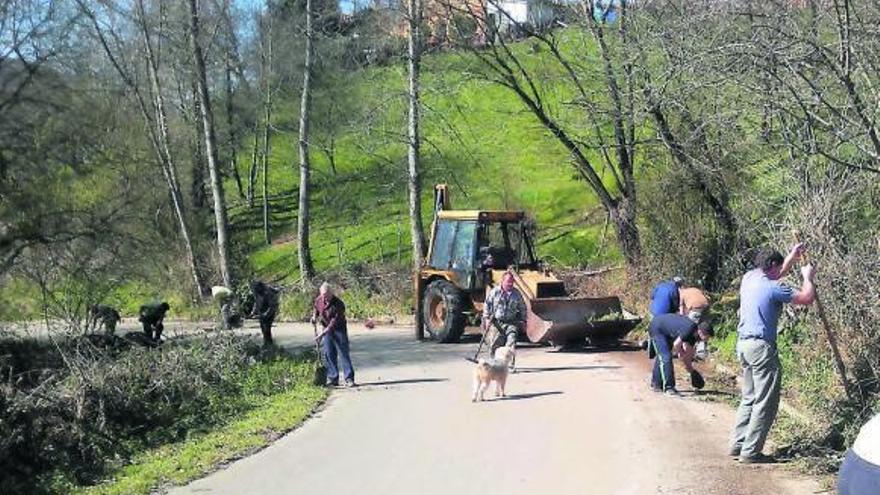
(369, 291)
(72, 409)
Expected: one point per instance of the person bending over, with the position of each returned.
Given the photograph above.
(674, 334)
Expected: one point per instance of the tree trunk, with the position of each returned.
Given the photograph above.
(623, 215)
(163, 146)
(265, 65)
(210, 145)
(305, 255)
(197, 189)
(265, 171)
(252, 172)
(719, 203)
(230, 128)
(414, 180)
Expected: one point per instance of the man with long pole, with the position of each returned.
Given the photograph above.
(761, 300)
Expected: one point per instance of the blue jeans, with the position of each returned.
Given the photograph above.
(858, 476)
(663, 376)
(334, 342)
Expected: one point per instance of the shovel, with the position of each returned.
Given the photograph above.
(479, 348)
(495, 324)
(320, 370)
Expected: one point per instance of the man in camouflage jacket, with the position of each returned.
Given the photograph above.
(505, 304)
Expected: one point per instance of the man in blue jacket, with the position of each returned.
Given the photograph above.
(664, 297)
(664, 300)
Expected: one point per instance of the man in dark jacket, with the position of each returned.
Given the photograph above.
(101, 315)
(265, 308)
(329, 311)
(675, 334)
(151, 316)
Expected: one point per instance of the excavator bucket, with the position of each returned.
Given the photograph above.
(561, 320)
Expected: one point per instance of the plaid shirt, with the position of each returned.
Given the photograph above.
(330, 312)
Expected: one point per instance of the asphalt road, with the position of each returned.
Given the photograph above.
(574, 423)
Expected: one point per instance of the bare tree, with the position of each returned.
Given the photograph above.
(265, 73)
(230, 59)
(207, 115)
(307, 270)
(417, 233)
(820, 68)
(32, 34)
(231, 142)
(252, 169)
(615, 109)
(683, 78)
(153, 113)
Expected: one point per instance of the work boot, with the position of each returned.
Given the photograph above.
(758, 458)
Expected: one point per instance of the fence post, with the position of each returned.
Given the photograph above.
(379, 248)
(339, 250)
(400, 239)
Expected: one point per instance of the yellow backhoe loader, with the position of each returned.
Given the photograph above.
(468, 253)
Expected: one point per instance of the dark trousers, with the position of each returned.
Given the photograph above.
(858, 476)
(266, 326)
(663, 377)
(153, 330)
(337, 342)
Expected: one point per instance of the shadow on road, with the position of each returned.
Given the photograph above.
(532, 396)
(565, 368)
(385, 349)
(708, 393)
(621, 347)
(402, 382)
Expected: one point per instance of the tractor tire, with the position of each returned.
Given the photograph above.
(443, 306)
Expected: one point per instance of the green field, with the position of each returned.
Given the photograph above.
(478, 138)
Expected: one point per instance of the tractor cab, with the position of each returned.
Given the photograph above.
(469, 244)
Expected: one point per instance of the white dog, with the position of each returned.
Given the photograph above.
(492, 370)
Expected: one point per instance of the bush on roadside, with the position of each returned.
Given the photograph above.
(369, 291)
(72, 410)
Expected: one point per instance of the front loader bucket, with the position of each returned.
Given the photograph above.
(563, 320)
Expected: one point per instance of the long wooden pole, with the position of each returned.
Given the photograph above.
(832, 339)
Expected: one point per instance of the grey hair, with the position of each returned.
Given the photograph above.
(327, 287)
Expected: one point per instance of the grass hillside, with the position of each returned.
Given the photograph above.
(478, 138)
